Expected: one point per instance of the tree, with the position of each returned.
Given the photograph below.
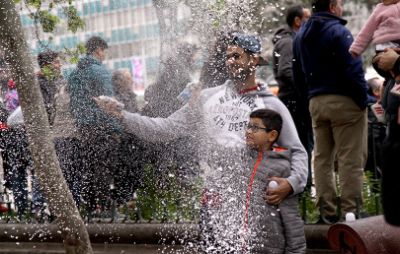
(167, 20)
(51, 180)
(45, 22)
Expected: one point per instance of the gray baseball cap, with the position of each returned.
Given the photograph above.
(250, 43)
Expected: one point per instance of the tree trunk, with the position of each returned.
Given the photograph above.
(167, 20)
(47, 168)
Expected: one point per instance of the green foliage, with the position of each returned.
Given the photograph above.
(47, 20)
(74, 21)
(371, 194)
(371, 200)
(308, 207)
(73, 54)
(34, 3)
(48, 72)
(165, 199)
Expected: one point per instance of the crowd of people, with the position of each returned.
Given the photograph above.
(93, 151)
(239, 136)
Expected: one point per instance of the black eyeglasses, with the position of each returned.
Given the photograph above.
(255, 128)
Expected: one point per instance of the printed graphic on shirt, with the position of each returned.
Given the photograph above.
(228, 114)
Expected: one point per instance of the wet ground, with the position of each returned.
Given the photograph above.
(55, 248)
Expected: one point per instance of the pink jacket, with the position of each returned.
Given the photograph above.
(382, 26)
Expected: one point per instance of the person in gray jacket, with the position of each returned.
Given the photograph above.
(216, 118)
(269, 228)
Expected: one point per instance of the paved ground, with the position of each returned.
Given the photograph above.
(55, 248)
(32, 238)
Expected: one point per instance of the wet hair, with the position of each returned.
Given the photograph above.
(293, 12)
(270, 118)
(46, 57)
(94, 43)
(322, 5)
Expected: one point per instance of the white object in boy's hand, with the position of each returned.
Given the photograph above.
(379, 112)
(350, 217)
(395, 90)
(273, 185)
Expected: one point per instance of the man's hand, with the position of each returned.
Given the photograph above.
(110, 105)
(277, 195)
(387, 59)
(354, 54)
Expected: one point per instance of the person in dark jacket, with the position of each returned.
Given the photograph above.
(99, 132)
(334, 82)
(283, 52)
(49, 79)
(389, 61)
(91, 79)
(282, 67)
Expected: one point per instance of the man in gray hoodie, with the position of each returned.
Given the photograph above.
(216, 118)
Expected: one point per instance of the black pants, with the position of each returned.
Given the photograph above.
(17, 160)
(67, 150)
(302, 120)
(391, 175)
(110, 167)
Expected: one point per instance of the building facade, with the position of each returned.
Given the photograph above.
(129, 26)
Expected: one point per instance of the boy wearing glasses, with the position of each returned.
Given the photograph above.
(268, 228)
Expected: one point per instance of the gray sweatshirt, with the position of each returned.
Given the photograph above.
(219, 120)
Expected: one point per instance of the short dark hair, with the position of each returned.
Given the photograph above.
(94, 43)
(46, 57)
(270, 118)
(322, 5)
(293, 12)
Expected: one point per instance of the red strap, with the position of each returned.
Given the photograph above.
(279, 149)
(249, 89)
(249, 189)
(3, 126)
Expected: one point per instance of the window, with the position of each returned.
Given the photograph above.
(133, 3)
(114, 20)
(86, 9)
(120, 18)
(92, 8)
(98, 7)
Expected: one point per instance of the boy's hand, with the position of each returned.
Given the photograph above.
(354, 54)
(277, 195)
